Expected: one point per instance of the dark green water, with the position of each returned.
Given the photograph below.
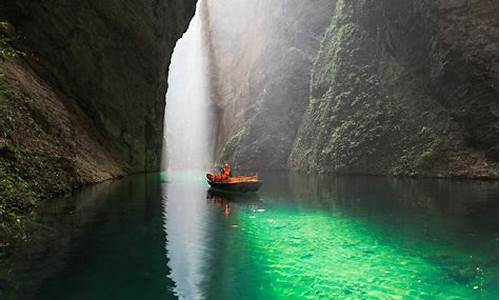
(300, 238)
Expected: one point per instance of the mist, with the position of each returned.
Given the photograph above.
(261, 56)
(188, 115)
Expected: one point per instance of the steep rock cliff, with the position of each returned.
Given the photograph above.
(111, 57)
(404, 88)
(260, 54)
(82, 89)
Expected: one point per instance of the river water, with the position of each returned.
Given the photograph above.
(160, 236)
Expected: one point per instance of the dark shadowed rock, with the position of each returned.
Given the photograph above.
(82, 96)
(111, 58)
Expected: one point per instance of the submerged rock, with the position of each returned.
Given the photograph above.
(462, 274)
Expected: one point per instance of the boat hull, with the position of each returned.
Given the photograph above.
(237, 187)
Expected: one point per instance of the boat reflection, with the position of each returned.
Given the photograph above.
(231, 201)
(218, 195)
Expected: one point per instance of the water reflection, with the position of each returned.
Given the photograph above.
(217, 196)
(105, 242)
(187, 225)
(451, 207)
(299, 237)
(195, 219)
(318, 236)
(229, 203)
(52, 231)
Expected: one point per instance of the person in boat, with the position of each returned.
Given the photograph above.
(227, 170)
(225, 173)
(225, 180)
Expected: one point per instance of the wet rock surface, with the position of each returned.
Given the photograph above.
(390, 88)
(112, 59)
(404, 88)
(261, 53)
(82, 91)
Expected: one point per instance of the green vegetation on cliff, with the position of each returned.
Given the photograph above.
(16, 194)
(391, 95)
(261, 82)
(86, 102)
(393, 87)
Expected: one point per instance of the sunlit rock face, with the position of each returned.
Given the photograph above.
(111, 58)
(404, 88)
(261, 53)
(392, 87)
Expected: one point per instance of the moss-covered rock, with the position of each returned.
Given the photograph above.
(392, 93)
(261, 81)
(110, 58)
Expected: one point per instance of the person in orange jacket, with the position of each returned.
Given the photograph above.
(227, 170)
(225, 173)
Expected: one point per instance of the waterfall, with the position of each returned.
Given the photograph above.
(188, 150)
(188, 122)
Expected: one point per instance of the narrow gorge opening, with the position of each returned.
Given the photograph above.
(189, 129)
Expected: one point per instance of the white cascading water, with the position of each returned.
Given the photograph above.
(188, 112)
(187, 155)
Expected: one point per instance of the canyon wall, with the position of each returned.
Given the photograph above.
(357, 87)
(404, 88)
(82, 93)
(260, 55)
(112, 58)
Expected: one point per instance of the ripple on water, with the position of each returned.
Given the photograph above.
(319, 255)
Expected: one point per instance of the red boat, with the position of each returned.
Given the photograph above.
(241, 184)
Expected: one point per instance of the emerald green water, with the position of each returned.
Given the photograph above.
(162, 237)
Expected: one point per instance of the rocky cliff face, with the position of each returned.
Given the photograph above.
(261, 53)
(404, 88)
(82, 89)
(111, 57)
(392, 87)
